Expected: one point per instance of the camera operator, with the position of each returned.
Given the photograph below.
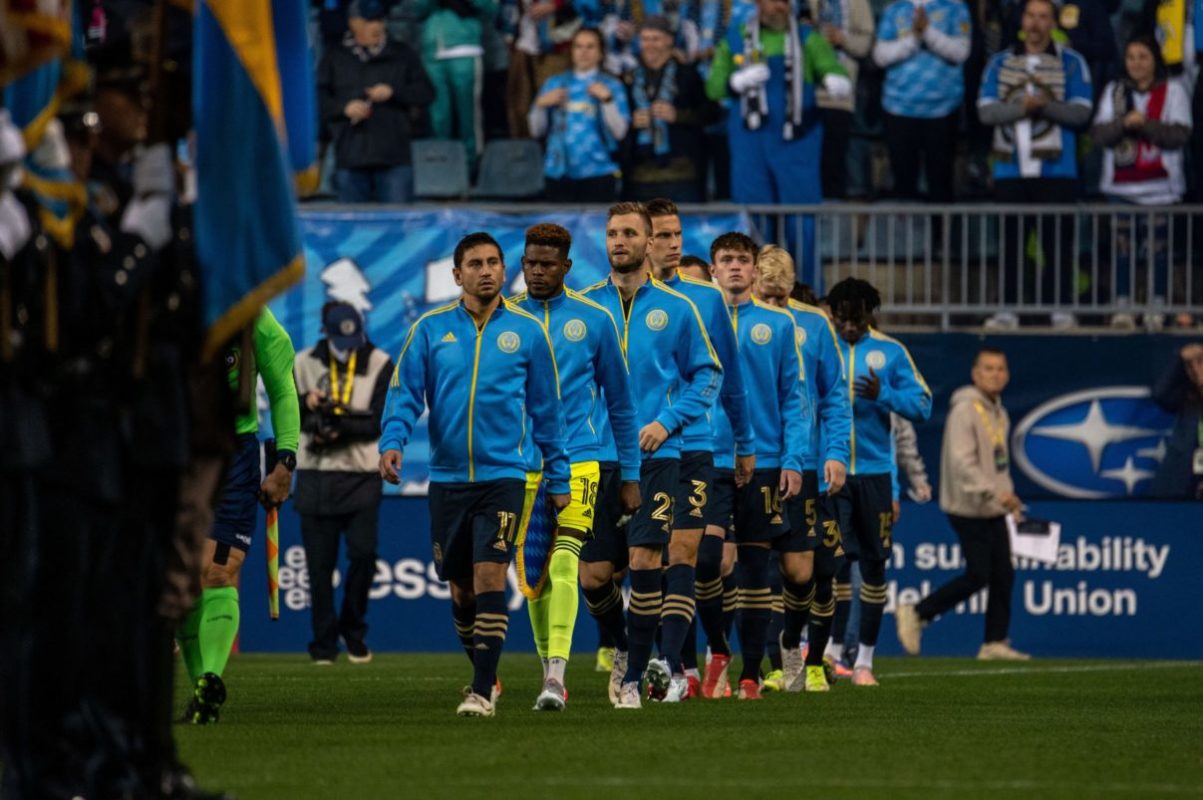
(342, 382)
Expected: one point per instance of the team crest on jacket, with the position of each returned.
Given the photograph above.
(875, 359)
(508, 342)
(762, 334)
(799, 336)
(657, 319)
(574, 330)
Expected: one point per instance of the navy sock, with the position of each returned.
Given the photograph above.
(772, 647)
(842, 594)
(709, 588)
(465, 626)
(643, 617)
(730, 605)
(819, 629)
(604, 637)
(605, 604)
(872, 600)
(755, 607)
(492, 622)
(676, 615)
(689, 651)
(797, 598)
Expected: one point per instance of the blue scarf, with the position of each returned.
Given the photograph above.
(656, 135)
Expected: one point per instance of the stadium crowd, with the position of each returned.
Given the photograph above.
(1042, 101)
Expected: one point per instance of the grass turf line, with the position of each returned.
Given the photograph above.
(1073, 729)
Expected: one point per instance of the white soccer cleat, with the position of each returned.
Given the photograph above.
(678, 690)
(628, 696)
(659, 677)
(474, 705)
(793, 668)
(910, 628)
(552, 696)
(1001, 651)
(617, 673)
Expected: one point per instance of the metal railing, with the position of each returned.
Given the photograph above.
(953, 265)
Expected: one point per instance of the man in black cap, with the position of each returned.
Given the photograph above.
(342, 382)
(669, 112)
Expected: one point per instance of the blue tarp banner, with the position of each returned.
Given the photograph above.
(1123, 586)
(395, 266)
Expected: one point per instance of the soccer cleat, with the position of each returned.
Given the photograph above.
(659, 677)
(628, 696)
(837, 667)
(605, 659)
(695, 687)
(553, 697)
(1001, 651)
(773, 682)
(863, 676)
(496, 691)
(792, 667)
(189, 710)
(357, 652)
(749, 690)
(617, 672)
(474, 705)
(816, 679)
(208, 697)
(678, 690)
(715, 683)
(910, 628)
(323, 662)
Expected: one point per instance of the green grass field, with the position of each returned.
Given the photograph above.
(942, 728)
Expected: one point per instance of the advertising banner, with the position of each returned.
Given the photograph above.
(1122, 586)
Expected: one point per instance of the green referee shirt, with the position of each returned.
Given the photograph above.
(273, 359)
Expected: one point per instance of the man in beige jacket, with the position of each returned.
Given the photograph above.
(977, 494)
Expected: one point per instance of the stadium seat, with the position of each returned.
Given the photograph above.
(440, 169)
(510, 168)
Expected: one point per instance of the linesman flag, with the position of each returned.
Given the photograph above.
(32, 32)
(254, 114)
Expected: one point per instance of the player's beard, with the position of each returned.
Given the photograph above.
(630, 261)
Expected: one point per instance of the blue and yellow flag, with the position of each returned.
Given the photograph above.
(32, 33)
(33, 100)
(255, 121)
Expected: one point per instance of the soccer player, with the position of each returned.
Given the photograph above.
(590, 360)
(827, 394)
(772, 368)
(675, 378)
(207, 635)
(697, 459)
(480, 366)
(696, 268)
(884, 379)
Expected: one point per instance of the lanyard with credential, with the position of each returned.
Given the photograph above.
(341, 402)
(998, 437)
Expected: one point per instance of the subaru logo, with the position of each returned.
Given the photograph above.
(1093, 444)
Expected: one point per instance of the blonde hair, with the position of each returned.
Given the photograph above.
(776, 267)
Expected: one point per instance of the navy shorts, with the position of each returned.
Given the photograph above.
(473, 523)
(238, 509)
(694, 490)
(803, 512)
(652, 524)
(608, 542)
(721, 505)
(759, 515)
(864, 511)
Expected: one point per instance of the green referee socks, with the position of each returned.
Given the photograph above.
(218, 628)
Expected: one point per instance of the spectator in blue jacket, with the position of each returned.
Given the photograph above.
(922, 44)
(1036, 95)
(584, 116)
